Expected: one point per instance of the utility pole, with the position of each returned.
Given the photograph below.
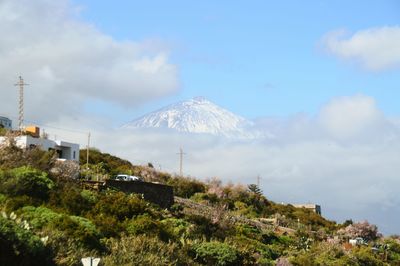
(258, 180)
(21, 85)
(87, 151)
(181, 153)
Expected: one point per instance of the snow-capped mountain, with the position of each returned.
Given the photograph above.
(197, 115)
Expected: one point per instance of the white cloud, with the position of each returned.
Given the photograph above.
(346, 117)
(375, 49)
(68, 62)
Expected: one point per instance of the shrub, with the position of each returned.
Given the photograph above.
(120, 205)
(216, 253)
(71, 198)
(143, 224)
(142, 250)
(15, 203)
(109, 226)
(38, 217)
(175, 228)
(26, 181)
(204, 227)
(3, 199)
(248, 231)
(393, 247)
(365, 257)
(113, 208)
(77, 228)
(253, 252)
(186, 187)
(20, 246)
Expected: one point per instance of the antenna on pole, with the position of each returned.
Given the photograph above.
(258, 180)
(181, 153)
(21, 85)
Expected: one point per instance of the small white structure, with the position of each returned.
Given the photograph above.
(356, 241)
(65, 150)
(314, 207)
(5, 122)
(90, 261)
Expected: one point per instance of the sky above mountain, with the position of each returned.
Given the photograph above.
(322, 75)
(266, 57)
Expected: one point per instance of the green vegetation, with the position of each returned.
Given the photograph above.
(48, 218)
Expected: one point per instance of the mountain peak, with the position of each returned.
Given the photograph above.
(197, 115)
(200, 99)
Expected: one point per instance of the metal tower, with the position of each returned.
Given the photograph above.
(21, 85)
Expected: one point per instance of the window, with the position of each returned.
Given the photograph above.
(74, 154)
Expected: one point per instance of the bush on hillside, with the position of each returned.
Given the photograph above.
(216, 253)
(70, 197)
(186, 187)
(75, 228)
(253, 252)
(120, 205)
(143, 224)
(20, 246)
(175, 228)
(203, 227)
(25, 181)
(144, 250)
(113, 208)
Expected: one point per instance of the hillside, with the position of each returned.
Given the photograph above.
(49, 219)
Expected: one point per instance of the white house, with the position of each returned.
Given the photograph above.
(65, 150)
(5, 122)
(314, 207)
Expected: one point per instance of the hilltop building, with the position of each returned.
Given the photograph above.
(65, 150)
(313, 207)
(5, 122)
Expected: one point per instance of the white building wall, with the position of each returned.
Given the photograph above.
(68, 151)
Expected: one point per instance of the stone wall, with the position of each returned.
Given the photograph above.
(161, 195)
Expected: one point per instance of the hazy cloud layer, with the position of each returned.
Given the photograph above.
(349, 165)
(375, 49)
(68, 62)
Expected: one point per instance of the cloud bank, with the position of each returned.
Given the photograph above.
(375, 49)
(68, 62)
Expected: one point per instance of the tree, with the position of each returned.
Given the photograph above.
(255, 189)
(364, 230)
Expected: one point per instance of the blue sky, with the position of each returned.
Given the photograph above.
(258, 58)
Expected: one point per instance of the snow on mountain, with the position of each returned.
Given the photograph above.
(197, 115)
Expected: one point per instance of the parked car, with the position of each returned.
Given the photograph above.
(122, 177)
